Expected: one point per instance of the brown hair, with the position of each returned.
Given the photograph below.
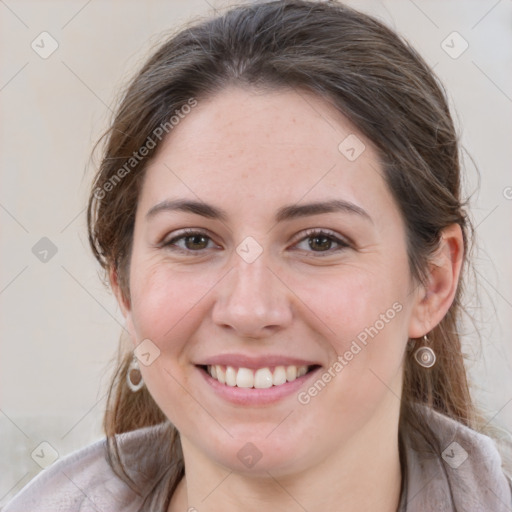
(370, 75)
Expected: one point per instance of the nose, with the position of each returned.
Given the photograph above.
(252, 300)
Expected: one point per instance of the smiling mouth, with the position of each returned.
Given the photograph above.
(261, 378)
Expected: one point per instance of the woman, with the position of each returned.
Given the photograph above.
(278, 211)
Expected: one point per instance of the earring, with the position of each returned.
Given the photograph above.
(425, 356)
(133, 376)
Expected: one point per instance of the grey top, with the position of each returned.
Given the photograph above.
(466, 476)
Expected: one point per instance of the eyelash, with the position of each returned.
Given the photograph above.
(310, 233)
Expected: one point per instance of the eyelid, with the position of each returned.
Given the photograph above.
(323, 231)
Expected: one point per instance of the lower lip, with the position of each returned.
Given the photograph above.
(253, 396)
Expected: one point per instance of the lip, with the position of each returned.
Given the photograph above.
(253, 396)
(243, 361)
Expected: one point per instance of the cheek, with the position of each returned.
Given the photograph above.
(165, 301)
(352, 300)
(365, 323)
(167, 306)
(364, 320)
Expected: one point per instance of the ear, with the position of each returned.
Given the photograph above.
(122, 300)
(435, 298)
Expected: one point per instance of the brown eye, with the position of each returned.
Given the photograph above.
(189, 241)
(320, 242)
(195, 242)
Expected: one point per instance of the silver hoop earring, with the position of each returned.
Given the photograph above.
(425, 356)
(133, 376)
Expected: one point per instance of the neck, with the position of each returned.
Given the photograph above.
(364, 475)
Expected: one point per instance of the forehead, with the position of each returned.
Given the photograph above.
(275, 147)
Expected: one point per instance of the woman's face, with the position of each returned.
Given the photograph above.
(261, 243)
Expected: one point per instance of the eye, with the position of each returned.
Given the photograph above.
(189, 241)
(321, 241)
(318, 241)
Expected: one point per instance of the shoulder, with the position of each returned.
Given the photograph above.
(457, 469)
(84, 481)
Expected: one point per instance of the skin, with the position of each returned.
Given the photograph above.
(250, 153)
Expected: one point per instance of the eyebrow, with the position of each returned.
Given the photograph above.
(284, 213)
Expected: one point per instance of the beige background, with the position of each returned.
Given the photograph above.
(59, 326)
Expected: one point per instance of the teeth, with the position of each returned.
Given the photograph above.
(221, 374)
(279, 376)
(245, 378)
(302, 370)
(231, 376)
(291, 373)
(262, 378)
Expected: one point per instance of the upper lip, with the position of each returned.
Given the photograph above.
(244, 361)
